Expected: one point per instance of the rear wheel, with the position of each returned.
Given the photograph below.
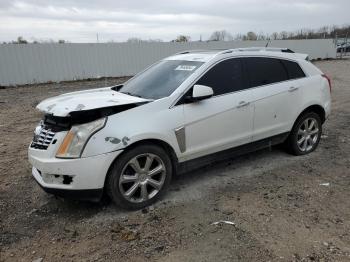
(305, 135)
(139, 177)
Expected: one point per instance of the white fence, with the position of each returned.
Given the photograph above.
(41, 63)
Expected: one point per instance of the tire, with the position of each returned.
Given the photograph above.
(305, 135)
(139, 177)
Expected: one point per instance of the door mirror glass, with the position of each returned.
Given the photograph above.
(200, 92)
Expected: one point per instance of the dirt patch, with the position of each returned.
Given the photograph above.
(284, 208)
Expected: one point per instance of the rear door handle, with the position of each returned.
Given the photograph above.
(242, 104)
(293, 88)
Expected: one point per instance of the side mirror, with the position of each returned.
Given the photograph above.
(199, 93)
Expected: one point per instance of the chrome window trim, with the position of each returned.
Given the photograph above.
(249, 88)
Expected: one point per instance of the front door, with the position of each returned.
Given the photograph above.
(224, 120)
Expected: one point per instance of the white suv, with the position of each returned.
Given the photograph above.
(184, 111)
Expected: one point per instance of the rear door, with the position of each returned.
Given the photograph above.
(224, 120)
(276, 91)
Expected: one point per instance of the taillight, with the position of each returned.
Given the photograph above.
(329, 82)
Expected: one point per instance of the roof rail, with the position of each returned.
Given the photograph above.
(198, 50)
(188, 51)
(241, 49)
(273, 49)
(270, 49)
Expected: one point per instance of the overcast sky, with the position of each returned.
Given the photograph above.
(117, 20)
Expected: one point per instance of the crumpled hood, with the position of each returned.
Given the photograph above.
(62, 105)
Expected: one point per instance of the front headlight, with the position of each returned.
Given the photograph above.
(77, 137)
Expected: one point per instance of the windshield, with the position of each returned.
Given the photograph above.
(161, 79)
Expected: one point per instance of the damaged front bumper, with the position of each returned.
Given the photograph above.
(80, 178)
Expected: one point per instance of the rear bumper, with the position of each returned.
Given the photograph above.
(327, 109)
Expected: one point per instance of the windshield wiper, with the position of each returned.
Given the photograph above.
(131, 94)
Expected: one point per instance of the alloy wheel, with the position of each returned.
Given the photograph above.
(307, 134)
(142, 178)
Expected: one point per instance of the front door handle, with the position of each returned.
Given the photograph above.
(242, 104)
(293, 88)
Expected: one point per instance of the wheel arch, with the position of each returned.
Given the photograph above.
(314, 108)
(167, 147)
(161, 143)
(290, 142)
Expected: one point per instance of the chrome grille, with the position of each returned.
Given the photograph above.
(42, 138)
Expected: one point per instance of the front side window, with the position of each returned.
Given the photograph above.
(225, 77)
(161, 79)
(264, 71)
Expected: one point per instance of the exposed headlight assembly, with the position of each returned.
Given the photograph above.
(74, 142)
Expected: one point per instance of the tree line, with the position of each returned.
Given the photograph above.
(223, 35)
(21, 40)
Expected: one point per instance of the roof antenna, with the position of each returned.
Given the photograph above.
(267, 44)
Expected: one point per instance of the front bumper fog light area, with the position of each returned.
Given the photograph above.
(74, 142)
(57, 179)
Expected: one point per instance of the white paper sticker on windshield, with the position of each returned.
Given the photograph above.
(185, 67)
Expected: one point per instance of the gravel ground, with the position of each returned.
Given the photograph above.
(282, 207)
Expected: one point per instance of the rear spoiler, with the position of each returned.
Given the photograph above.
(302, 56)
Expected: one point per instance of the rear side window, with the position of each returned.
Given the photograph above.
(264, 71)
(225, 77)
(293, 69)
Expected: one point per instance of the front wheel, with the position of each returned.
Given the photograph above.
(139, 177)
(305, 135)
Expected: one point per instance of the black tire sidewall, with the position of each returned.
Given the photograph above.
(112, 184)
(294, 134)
